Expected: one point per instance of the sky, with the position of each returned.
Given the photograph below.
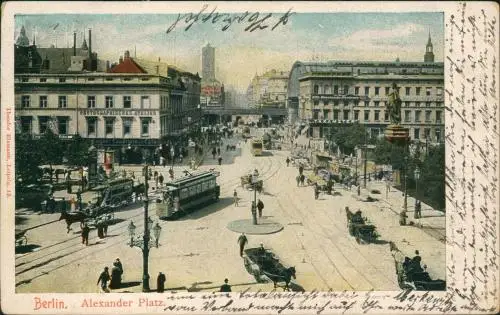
(241, 54)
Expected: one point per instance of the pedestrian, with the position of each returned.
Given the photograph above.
(162, 161)
(225, 287)
(260, 206)
(171, 173)
(160, 179)
(160, 282)
(298, 180)
(79, 199)
(235, 197)
(116, 277)
(85, 234)
(359, 189)
(220, 160)
(418, 210)
(218, 151)
(301, 169)
(155, 176)
(84, 183)
(287, 161)
(100, 229)
(103, 279)
(214, 152)
(316, 191)
(242, 241)
(72, 203)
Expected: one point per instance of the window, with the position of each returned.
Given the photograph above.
(328, 89)
(427, 133)
(145, 79)
(356, 115)
(109, 126)
(145, 102)
(367, 90)
(417, 116)
(387, 90)
(325, 103)
(325, 114)
(377, 115)
(127, 126)
(438, 135)
(417, 90)
(367, 115)
(336, 115)
(127, 102)
(346, 89)
(438, 116)
(91, 101)
(417, 104)
(377, 90)
(315, 114)
(376, 103)
(26, 124)
(62, 125)
(428, 91)
(406, 104)
(91, 126)
(416, 133)
(43, 101)
(386, 115)
(335, 103)
(24, 79)
(25, 101)
(356, 90)
(346, 114)
(407, 90)
(316, 89)
(62, 101)
(316, 103)
(367, 103)
(407, 116)
(145, 126)
(428, 115)
(109, 101)
(43, 123)
(439, 91)
(43, 80)
(62, 80)
(109, 79)
(335, 89)
(346, 103)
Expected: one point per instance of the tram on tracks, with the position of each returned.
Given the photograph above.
(186, 194)
(256, 147)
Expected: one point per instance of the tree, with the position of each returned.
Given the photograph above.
(348, 137)
(28, 160)
(389, 154)
(433, 176)
(51, 149)
(77, 151)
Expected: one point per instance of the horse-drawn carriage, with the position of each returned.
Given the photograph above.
(246, 182)
(21, 239)
(411, 275)
(359, 228)
(262, 264)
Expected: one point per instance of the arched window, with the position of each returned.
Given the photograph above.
(316, 89)
(328, 89)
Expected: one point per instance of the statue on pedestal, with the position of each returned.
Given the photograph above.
(394, 105)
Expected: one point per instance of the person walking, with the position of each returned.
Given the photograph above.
(260, 206)
(225, 287)
(418, 210)
(116, 277)
(160, 179)
(85, 234)
(79, 199)
(287, 161)
(235, 197)
(220, 160)
(155, 175)
(242, 241)
(160, 282)
(103, 279)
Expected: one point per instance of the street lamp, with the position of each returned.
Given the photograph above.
(255, 177)
(417, 177)
(145, 243)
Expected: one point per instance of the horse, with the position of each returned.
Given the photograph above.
(71, 218)
(285, 275)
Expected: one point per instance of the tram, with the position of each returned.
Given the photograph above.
(186, 194)
(256, 146)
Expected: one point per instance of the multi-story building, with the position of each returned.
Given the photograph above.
(208, 62)
(268, 90)
(134, 106)
(325, 94)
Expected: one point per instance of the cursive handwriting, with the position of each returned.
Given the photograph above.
(253, 21)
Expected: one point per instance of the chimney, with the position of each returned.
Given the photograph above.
(157, 69)
(74, 43)
(120, 60)
(90, 50)
(127, 54)
(107, 65)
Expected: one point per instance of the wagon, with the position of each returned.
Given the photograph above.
(358, 227)
(21, 239)
(246, 182)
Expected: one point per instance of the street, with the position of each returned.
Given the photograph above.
(198, 251)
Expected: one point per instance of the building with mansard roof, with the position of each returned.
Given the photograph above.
(322, 95)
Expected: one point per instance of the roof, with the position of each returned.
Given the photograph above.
(128, 65)
(59, 58)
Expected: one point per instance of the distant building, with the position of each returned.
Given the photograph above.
(268, 89)
(324, 94)
(208, 63)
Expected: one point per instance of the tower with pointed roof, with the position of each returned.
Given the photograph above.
(22, 39)
(429, 54)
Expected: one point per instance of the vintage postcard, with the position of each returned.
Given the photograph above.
(249, 157)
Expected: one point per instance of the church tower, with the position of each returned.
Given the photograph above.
(429, 55)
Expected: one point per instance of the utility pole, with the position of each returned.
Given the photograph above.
(145, 249)
(366, 160)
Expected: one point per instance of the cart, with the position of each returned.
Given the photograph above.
(358, 227)
(246, 182)
(21, 239)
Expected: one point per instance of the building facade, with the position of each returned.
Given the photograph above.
(268, 90)
(127, 108)
(322, 95)
(208, 62)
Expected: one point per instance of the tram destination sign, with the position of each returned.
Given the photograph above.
(117, 112)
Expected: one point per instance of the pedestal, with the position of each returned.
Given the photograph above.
(397, 134)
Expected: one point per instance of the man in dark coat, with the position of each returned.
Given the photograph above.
(287, 161)
(225, 287)
(220, 160)
(103, 279)
(242, 241)
(116, 277)
(160, 179)
(301, 169)
(260, 206)
(85, 234)
(160, 282)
